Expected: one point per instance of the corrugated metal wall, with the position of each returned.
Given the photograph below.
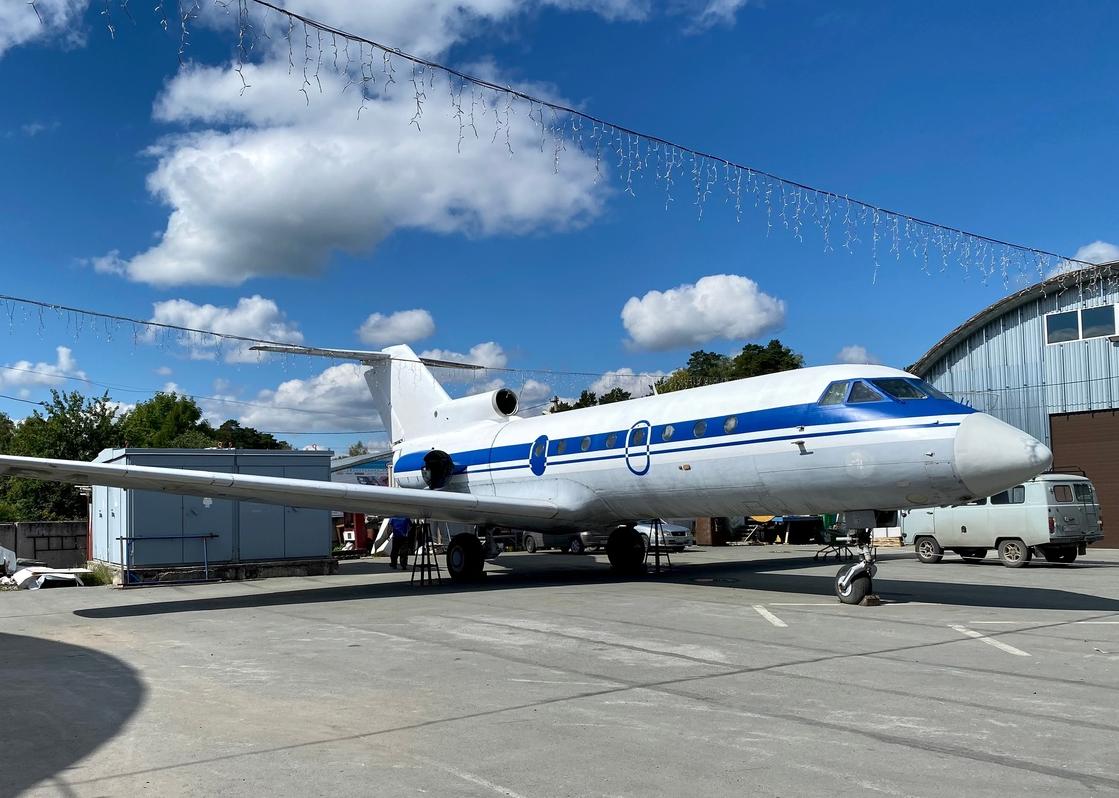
(1007, 369)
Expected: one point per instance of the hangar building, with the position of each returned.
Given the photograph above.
(1046, 359)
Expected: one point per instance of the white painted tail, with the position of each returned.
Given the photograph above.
(405, 393)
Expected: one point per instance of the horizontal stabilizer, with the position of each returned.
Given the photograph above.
(360, 355)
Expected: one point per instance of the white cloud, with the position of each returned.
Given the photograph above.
(109, 263)
(717, 306)
(164, 371)
(717, 12)
(25, 373)
(252, 317)
(489, 355)
(1096, 252)
(533, 398)
(275, 188)
(856, 354)
(19, 23)
(402, 327)
(332, 400)
(627, 380)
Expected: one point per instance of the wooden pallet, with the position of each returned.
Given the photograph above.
(886, 543)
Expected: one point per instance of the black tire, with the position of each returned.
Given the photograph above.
(530, 544)
(1068, 555)
(464, 558)
(1014, 553)
(857, 589)
(1050, 554)
(626, 551)
(928, 550)
(576, 546)
(972, 555)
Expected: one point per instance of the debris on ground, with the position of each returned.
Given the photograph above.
(37, 577)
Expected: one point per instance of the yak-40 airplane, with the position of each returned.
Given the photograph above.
(866, 441)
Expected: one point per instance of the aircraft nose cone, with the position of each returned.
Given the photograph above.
(991, 456)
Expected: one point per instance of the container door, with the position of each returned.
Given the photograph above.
(260, 526)
(306, 531)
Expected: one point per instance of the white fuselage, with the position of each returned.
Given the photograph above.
(765, 445)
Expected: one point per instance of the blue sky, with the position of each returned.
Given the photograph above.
(996, 117)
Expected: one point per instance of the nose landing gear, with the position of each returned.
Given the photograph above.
(854, 582)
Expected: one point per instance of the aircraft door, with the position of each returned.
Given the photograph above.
(637, 448)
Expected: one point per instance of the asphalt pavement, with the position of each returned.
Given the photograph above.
(736, 673)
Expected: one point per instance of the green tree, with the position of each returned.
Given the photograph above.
(70, 427)
(709, 368)
(163, 421)
(233, 436)
(614, 395)
(7, 429)
(587, 398)
(356, 448)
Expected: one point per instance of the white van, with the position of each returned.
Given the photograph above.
(1055, 515)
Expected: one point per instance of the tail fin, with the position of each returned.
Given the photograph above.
(405, 392)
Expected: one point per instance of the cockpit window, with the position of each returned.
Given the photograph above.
(861, 392)
(835, 394)
(900, 388)
(931, 391)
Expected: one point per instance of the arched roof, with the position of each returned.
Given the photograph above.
(1058, 282)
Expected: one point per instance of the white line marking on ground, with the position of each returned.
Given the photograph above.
(1009, 649)
(470, 777)
(993, 623)
(1098, 622)
(802, 604)
(769, 616)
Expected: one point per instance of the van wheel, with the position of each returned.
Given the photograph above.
(1066, 554)
(928, 550)
(530, 544)
(1014, 553)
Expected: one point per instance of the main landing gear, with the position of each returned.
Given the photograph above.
(854, 583)
(625, 548)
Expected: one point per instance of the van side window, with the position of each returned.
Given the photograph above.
(1083, 492)
(1062, 493)
(1016, 495)
(834, 394)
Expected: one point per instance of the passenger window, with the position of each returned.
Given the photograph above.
(561, 447)
(668, 432)
(1001, 498)
(700, 429)
(611, 440)
(835, 394)
(861, 393)
(1084, 492)
(1018, 494)
(1062, 493)
(730, 424)
(638, 437)
(1062, 327)
(900, 389)
(538, 450)
(585, 444)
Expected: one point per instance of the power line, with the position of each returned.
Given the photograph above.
(26, 401)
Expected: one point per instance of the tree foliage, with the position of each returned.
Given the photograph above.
(709, 368)
(589, 398)
(356, 448)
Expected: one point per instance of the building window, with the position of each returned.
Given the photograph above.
(1062, 327)
(1097, 322)
(668, 432)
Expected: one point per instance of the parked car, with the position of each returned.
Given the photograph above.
(539, 541)
(672, 536)
(1054, 515)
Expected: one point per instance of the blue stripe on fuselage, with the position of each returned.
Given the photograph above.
(808, 415)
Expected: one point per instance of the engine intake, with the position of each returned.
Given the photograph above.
(438, 468)
(493, 406)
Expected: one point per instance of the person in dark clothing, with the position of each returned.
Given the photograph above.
(401, 541)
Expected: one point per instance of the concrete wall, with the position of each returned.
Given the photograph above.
(60, 544)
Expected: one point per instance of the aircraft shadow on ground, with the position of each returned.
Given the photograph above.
(770, 576)
(61, 703)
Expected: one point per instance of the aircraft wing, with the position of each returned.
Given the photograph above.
(373, 499)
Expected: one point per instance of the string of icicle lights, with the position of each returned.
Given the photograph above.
(484, 109)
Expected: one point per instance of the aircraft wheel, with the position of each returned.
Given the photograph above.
(530, 544)
(857, 589)
(464, 558)
(1014, 553)
(576, 546)
(626, 551)
(928, 550)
